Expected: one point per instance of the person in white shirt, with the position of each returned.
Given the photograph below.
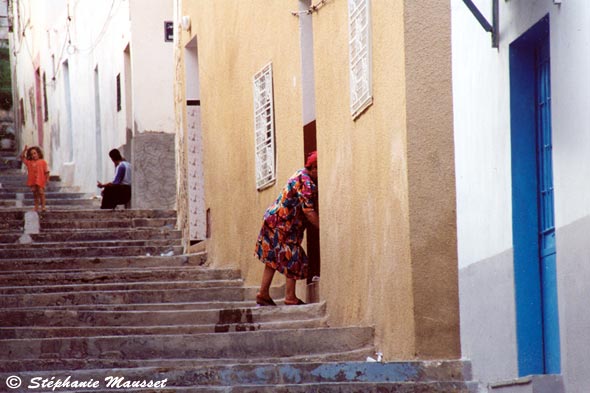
(117, 192)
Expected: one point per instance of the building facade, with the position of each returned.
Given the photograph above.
(367, 84)
(521, 135)
(76, 96)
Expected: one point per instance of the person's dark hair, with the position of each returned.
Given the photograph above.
(39, 152)
(115, 155)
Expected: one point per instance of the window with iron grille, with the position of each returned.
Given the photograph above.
(359, 45)
(264, 128)
(119, 92)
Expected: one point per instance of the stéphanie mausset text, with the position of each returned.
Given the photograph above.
(109, 382)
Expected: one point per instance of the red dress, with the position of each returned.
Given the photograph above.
(36, 172)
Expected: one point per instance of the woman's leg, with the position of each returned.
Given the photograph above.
(267, 276)
(290, 296)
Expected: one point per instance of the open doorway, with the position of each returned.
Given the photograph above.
(196, 177)
(309, 138)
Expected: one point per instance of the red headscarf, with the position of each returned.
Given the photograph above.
(312, 158)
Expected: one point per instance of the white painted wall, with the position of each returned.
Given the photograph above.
(153, 66)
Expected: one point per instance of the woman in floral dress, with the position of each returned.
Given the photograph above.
(279, 241)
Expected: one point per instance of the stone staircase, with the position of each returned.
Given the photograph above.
(88, 295)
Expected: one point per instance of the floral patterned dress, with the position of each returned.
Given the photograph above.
(279, 241)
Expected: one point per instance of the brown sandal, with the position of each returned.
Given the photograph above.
(264, 301)
(297, 303)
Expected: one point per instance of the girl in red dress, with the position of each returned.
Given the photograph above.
(38, 174)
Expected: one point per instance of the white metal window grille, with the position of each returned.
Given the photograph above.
(264, 127)
(359, 45)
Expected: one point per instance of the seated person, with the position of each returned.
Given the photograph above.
(117, 192)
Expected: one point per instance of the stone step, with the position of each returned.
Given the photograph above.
(24, 189)
(50, 204)
(256, 344)
(91, 214)
(169, 295)
(96, 235)
(114, 222)
(121, 234)
(11, 226)
(334, 387)
(119, 286)
(275, 373)
(69, 252)
(102, 262)
(89, 324)
(187, 329)
(50, 246)
(21, 178)
(61, 277)
(9, 163)
(56, 364)
(41, 319)
(10, 196)
(56, 202)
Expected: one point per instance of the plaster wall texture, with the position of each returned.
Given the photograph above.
(386, 196)
(488, 319)
(235, 41)
(154, 171)
(574, 275)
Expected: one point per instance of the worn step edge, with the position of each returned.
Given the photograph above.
(33, 319)
(281, 373)
(261, 343)
(66, 364)
(90, 252)
(67, 332)
(120, 286)
(332, 387)
(104, 262)
(54, 277)
(41, 319)
(122, 297)
(91, 244)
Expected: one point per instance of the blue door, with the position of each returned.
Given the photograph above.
(546, 216)
(533, 224)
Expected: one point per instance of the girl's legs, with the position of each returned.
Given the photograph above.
(42, 197)
(35, 190)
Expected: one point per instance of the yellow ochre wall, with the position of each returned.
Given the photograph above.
(387, 187)
(386, 179)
